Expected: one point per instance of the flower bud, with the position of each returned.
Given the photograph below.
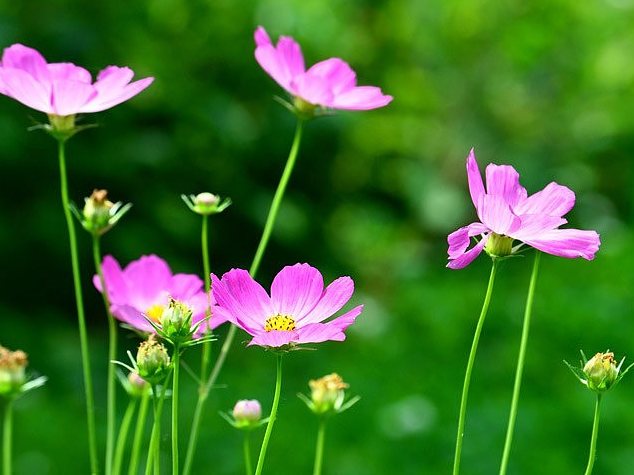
(247, 414)
(97, 210)
(137, 386)
(327, 393)
(176, 321)
(601, 371)
(12, 371)
(152, 360)
(499, 245)
(206, 203)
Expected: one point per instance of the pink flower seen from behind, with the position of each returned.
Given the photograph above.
(144, 287)
(330, 83)
(505, 209)
(63, 89)
(294, 312)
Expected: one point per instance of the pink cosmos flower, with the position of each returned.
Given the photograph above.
(294, 312)
(144, 288)
(330, 83)
(63, 89)
(507, 213)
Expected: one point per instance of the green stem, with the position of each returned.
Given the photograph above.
(269, 426)
(7, 438)
(266, 234)
(176, 363)
(520, 365)
(203, 390)
(470, 362)
(154, 451)
(111, 405)
(595, 434)
(81, 319)
(123, 435)
(319, 448)
(138, 434)
(246, 447)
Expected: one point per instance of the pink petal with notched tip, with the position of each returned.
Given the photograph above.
(503, 181)
(333, 299)
(296, 290)
(554, 200)
(569, 243)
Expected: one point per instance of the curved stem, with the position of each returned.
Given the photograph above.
(112, 356)
(138, 434)
(246, 448)
(7, 438)
(81, 319)
(266, 234)
(176, 363)
(470, 362)
(319, 448)
(123, 436)
(269, 426)
(595, 434)
(520, 365)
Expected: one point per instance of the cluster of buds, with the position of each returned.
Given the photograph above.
(99, 213)
(13, 378)
(328, 395)
(601, 372)
(206, 203)
(246, 415)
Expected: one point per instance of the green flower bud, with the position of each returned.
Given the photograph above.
(136, 386)
(176, 321)
(499, 245)
(328, 395)
(152, 360)
(12, 371)
(206, 203)
(601, 371)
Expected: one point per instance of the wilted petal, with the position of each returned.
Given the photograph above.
(554, 200)
(567, 243)
(296, 290)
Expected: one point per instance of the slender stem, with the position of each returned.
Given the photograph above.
(246, 447)
(203, 390)
(269, 426)
(319, 448)
(111, 405)
(154, 451)
(138, 434)
(81, 319)
(520, 365)
(176, 365)
(595, 434)
(266, 234)
(7, 438)
(123, 435)
(470, 361)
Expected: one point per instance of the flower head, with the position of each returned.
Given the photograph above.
(63, 89)
(327, 395)
(601, 372)
(295, 310)
(146, 287)
(206, 203)
(99, 213)
(13, 378)
(327, 84)
(152, 360)
(507, 213)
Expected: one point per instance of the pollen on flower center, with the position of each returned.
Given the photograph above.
(155, 312)
(284, 323)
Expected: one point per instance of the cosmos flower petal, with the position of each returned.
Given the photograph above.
(24, 88)
(132, 317)
(151, 277)
(534, 225)
(68, 71)
(336, 72)
(185, 286)
(115, 282)
(28, 60)
(244, 298)
(313, 89)
(344, 321)
(319, 332)
(296, 290)
(460, 239)
(554, 200)
(333, 299)
(463, 260)
(69, 96)
(283, 62)
(569, 243)
(496, 214)
(361, 98)
(503, 181)
(476, 186)
(273, 338)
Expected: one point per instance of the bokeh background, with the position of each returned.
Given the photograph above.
(546, 86)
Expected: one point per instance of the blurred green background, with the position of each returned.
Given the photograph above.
(546, 86)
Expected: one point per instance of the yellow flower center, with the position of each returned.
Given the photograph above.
(155, 312)
(283, 323)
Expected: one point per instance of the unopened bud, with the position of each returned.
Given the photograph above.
(176, 321)
(601, 371)
(247, 413)
(327, 393)
(152, 360)
(136, 384)
(206, 203)
(12, 371)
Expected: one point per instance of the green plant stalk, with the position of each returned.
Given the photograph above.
(266, 234)
(154, 451)
(138, 434)
(595, 434)
(81, 319)
(203, 390)
(269, 425)
(175, 381)
(520, 365)
(7, 438)
(319, 448)
(123, 435)
(246, 448)
(469, 370)
(111, 404)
